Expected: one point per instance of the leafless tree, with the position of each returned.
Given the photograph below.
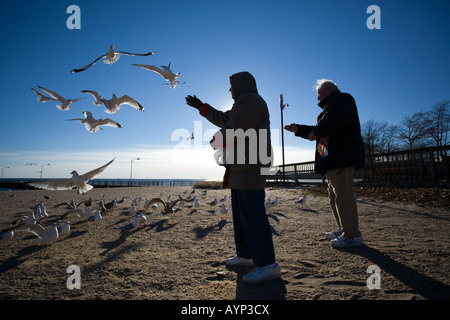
(412, 130)
(437, 123)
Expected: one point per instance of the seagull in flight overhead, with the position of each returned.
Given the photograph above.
(111, 57)
(93, 125)
(42, 97)
(80, 182)
(65, 103)
(113, 105)
(165, 72)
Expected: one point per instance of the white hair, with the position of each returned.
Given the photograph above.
(325, 84)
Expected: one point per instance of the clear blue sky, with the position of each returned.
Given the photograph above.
(392, 72)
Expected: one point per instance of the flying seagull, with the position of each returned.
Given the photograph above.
(65, 103)
(168, 206)
(165, 72)
(44, 236)
(111, 57)
(80, 182)
(93, 125)
(113, 105)
(42, 97)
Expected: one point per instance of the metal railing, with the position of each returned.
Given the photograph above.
(424, 164)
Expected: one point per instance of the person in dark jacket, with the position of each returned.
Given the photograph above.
(339, 151)
(244, 129)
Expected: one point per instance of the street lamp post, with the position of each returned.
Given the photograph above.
(3, 170)
(282, 106)
(131, 169)
(42, 169)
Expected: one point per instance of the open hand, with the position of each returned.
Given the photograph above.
(291, 127)
(195, 102)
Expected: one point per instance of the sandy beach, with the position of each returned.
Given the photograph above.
(182, 255)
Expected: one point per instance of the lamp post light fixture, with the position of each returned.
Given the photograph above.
(131, 169)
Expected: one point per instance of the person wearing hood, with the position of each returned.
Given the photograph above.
(339, 151)
(244, 148)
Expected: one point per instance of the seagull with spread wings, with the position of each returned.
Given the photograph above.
(168, 206)
(165, 72)
(44, 236)
(113, 105)
(111, 57)
(80, 182)
(93, 125)
(65, 103)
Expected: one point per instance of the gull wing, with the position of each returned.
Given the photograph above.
(60, 184)
(93, 173)
(153, 201)
(42, 96)
(130, 101)
(161, 72)
(108, 122)
(135, 54)
(36, 229)
(89, 65)
(52, 94)
(94, 94)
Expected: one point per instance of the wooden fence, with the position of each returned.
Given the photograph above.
(425, 164)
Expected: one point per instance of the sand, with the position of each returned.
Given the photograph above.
(182, 255)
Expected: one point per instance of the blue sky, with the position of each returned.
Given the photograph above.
(287, 45)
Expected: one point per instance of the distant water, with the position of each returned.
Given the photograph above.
(5, 183)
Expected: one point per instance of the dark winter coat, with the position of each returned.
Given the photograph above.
(248, 113)
(340, 143)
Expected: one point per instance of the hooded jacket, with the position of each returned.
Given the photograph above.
(245, 133)
(340, 142)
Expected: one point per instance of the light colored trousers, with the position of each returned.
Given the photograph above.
(342, 200)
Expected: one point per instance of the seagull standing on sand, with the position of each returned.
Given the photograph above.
(133, 225)
(302, 200)
(113, 105)
(65, 228)
(93, 125)
(223, 209)
(65, 103)
(111, 57)
(165, 72)
(96, 218)
(80, 182)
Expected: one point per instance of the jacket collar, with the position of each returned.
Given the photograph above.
(323, 103)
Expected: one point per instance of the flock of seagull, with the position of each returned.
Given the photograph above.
(93, 212)
(114, 104)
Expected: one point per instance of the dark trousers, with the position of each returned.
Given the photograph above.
(252, 232)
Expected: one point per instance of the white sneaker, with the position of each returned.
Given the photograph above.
(344, 242)
(261, 274)
(238, 261)
(334, 234)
